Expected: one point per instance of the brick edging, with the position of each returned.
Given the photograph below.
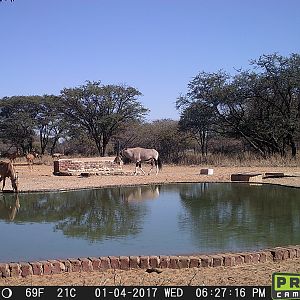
(48, 267)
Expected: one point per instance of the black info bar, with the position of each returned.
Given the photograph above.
(135, 292)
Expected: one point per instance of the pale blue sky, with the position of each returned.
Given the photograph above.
(156, 46)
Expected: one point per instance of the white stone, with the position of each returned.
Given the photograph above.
(206, 171)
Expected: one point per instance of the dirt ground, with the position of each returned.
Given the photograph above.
(42, 179)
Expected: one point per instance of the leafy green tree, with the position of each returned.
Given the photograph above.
(17, 121)
(198, 120)
(168, 140)
(278, 90)
(101, 110)
(261, 106)
(22, 118)
(78, 142)
(50, 122)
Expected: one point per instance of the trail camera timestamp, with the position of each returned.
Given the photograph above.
(137, 292)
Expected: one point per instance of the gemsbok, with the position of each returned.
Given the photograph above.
(7, 170)
(138, 155)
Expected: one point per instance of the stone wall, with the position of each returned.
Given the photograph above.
(75, 167)
(47, 267)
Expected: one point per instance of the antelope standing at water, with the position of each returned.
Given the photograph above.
(7, 170)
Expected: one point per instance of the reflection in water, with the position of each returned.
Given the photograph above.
(92, 214)
(140, 193)
(228, 216)
(9, 207)
(98, 214)
(184, 218)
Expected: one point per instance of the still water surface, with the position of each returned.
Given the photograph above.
(148, 220)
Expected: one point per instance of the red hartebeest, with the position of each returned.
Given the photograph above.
(7, 170)
(30, 158)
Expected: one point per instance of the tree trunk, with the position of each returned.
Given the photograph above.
(104, 145)
(97, 139)
(293, 147)
(43, 142)
(55, 140)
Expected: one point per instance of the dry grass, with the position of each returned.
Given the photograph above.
(245, 159)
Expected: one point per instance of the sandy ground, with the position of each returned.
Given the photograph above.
(42, 179)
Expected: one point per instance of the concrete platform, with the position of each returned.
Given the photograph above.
(273, 175)
(247, 177)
